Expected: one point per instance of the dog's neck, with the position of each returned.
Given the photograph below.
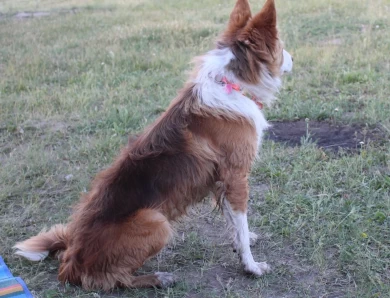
(212, 67)
(230, 87)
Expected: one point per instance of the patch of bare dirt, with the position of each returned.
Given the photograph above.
(325, 135)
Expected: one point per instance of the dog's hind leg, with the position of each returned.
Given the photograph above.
(118, 250)
(145, 235)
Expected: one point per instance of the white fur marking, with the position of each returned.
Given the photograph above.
(287, 62)
(32, 255)
(243, 242)
(228, 214)
(266, 89)
(239, 223)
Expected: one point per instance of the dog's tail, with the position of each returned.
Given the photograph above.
(40, 246)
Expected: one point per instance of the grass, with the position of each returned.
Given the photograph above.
(75, 84)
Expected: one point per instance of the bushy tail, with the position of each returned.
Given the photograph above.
(40, 246)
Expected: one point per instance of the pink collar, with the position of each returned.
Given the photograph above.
(229, 87)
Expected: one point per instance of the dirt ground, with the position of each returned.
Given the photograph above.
(325, 135)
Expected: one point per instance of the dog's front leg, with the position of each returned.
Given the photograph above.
(234, 206)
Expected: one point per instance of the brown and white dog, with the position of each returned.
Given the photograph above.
(204, 143)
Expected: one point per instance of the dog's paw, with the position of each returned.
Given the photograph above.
(257, 269)
(167, 279)
(253, 238)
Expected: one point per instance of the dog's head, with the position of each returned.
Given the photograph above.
(255, 44)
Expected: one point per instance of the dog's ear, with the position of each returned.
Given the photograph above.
(238, 18)
(261, 25)
(266, 18)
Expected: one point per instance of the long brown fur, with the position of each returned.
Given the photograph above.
(190, 151)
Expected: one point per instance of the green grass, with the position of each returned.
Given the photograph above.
(75, 84)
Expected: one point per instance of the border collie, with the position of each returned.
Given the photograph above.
(204, 143)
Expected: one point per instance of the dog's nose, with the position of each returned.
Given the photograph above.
(292, 58)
